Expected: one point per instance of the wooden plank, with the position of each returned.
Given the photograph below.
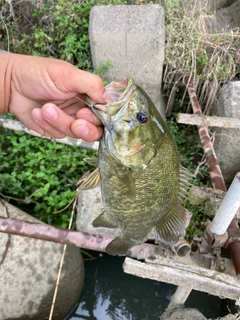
(197, 278)
(213, 121)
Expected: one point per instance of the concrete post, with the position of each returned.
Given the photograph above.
(132, 37)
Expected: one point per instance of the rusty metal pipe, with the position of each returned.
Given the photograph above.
(84, 240)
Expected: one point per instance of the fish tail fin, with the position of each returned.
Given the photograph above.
(119, 246)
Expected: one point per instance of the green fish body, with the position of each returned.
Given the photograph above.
(141, 180)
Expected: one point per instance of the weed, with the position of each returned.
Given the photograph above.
(40, 173)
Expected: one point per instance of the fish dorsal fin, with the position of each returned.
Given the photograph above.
(92, 181)
(184, 182)
(92, 161)
(173, 225)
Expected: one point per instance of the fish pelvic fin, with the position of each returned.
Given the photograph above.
(119, 246)
(104, 221)
(92, 181)
(92, 161)
(173, 225)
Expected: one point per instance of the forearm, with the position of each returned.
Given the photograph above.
(6, 63)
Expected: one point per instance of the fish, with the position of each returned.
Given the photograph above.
(138, 169)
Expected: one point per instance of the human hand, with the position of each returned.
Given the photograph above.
(46, 95)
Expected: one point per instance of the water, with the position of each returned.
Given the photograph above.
(110, 294)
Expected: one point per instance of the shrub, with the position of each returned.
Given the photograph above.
(40, 173)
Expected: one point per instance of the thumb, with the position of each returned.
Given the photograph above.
(89, 84)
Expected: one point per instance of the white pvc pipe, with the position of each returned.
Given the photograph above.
(227, 209)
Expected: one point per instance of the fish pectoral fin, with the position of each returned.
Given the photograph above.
(119, 246)
(92, 181)
(92, 161)
(128, 184)
(104, 221)
(173, 225)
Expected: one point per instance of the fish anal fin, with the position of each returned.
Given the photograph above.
(173, 225)
(104, 221)
(92, 181)
(119, 246)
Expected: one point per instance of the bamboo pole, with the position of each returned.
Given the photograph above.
(18, 126)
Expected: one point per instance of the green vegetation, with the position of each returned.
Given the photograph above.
(40, 176)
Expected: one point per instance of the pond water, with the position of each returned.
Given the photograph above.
(110, 294)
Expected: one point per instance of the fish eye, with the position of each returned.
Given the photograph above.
(142, 117)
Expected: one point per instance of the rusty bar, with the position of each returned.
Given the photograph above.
(214, 169)
(84, 240)
(48, 233)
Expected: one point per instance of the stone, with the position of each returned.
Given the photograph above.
(227, 141)
(185, 314)
(28, 274)
(228, 18)
(227, 317)
(132, 37)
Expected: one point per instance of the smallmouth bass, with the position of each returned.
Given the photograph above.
(142, 183)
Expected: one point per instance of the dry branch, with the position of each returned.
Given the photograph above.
(214, 169)
(18, 126)
(194, 119)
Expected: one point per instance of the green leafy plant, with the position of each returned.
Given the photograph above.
(40, 176)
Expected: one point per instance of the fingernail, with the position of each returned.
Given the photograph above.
(81, 130)
(50, 114)
(36, 114)
(106, 97)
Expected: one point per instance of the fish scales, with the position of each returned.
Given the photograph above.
(138, 169)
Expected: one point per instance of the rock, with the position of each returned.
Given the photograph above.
(228, 18)
(185, 314)
(228, 317)
(227, 141)
(216, 5)
(133, 38)
(28, 274)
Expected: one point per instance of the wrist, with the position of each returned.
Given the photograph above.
(5, 80)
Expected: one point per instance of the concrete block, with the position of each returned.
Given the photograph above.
(28, 274)
(227, 141)
(133, 38)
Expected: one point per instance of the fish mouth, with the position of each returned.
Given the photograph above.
(119, 94)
